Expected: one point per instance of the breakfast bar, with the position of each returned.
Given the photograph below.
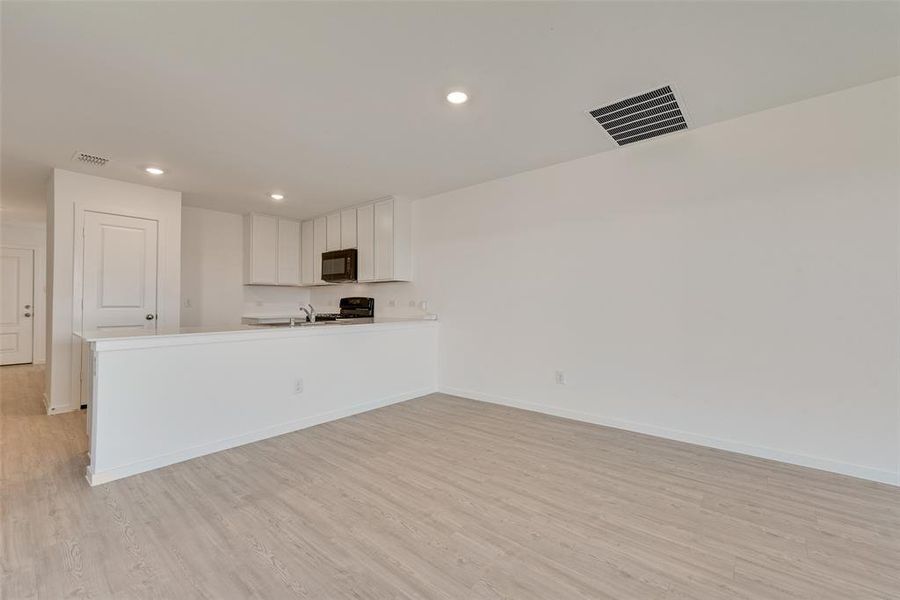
(162, 398)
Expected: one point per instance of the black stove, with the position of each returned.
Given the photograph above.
(351, 308)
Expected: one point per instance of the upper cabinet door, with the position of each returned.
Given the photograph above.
(365, 256)
(262, 244)
(402, 240)
(333, 235)
(348, 228)
(279, 251)
(319, 236)
(288, 252)
(307, 254)
(384, 239)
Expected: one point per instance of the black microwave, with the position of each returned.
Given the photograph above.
(339, 265)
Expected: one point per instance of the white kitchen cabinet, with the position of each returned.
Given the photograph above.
(387, 255)
(260, 249)
(308, 253)
(333, 232)
(348, 228)
(288, 252)
(281, 251)
(320, 230)
(403, 265)
(365, 255)
(384, 239)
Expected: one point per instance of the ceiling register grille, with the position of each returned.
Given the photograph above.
(91, 159)
(641, 117)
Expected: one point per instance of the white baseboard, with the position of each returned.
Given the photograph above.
(823, 464)
(246, 438)
(58, 410)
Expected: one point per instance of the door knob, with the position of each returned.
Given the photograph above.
(27, 314)
(27, 306)
(150, 316)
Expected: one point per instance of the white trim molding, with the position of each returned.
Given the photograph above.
(814, 462)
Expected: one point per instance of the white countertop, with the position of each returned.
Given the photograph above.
(114, 340)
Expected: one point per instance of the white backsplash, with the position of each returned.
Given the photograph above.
(274, 300)
(396, 299)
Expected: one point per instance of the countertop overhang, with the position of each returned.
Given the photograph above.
(110, 340)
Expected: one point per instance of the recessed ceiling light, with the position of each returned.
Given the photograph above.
(276, 197)
(457, 97)
(154, 170)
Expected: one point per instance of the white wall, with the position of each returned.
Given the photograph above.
(32, 236)
(211, 268)
(70, 194)
(273, 300)
(735, 285)
(212, 280)
(392, 299)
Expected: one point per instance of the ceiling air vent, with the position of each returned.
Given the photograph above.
(641, 117)
(90, 159)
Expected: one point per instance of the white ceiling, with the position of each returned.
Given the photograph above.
(338, 103)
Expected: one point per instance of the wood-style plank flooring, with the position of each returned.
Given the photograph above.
(438, 497)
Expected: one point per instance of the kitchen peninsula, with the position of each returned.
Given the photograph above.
(161, 398)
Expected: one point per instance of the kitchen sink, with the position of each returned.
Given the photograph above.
(287, 324)
(280, 322)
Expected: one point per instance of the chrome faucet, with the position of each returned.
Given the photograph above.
(310, 312)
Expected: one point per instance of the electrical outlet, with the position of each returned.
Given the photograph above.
(187, 303)
(561, 377)
(298, 386)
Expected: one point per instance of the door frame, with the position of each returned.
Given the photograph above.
(34, 289)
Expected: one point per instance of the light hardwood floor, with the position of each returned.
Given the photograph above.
(438, 497)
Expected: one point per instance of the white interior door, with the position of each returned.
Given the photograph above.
(120, 262)
(16, 306)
